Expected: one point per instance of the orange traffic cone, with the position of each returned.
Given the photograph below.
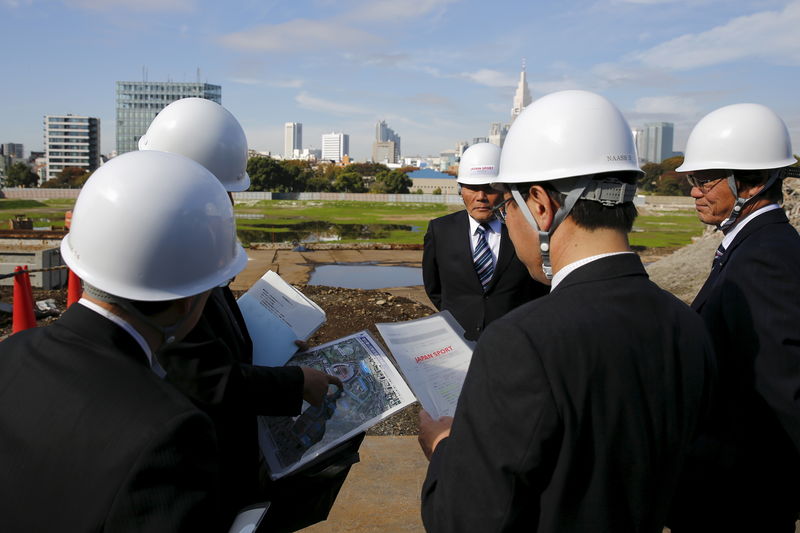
(74, 288)
(23, 317)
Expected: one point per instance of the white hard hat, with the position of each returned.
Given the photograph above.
(206, 132)
(479, 164)
(568, 138)
(567, 134)
(739, 137)
(153, 226)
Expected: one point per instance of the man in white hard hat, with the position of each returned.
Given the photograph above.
(578, 406)
(742, 473)
(213, 366)
(468, 264)
(93, 439)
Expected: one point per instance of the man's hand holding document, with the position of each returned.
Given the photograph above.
(276, 315)
(434, 356)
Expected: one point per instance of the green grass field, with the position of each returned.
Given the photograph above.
(670, 230)
(351, 221)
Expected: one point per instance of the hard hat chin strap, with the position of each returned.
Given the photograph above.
(167, 333)
(740, 203)
(561, 214)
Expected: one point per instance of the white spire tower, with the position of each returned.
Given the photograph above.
(522, 97)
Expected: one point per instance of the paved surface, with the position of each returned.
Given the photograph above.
(381, 493)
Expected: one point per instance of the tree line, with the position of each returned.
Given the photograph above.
(662, 178)
(267, 174)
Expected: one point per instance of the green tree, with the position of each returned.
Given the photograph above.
(672, 183)
(300, 173)
(671, 163)
(437, 190)
(20, 175)
(366, 169)
(267, 174)
(652, 171)
(391, 182)
(349, 182)
(68, 178)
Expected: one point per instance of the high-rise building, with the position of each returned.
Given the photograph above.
(71, 141)
(335, 146)
(385, 152)
(138, 103)
(522, 97)
(11, 150)
(497, 133)
(654, 142)
(387, 144)
(292, 139)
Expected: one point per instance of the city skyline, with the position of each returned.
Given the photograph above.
(341, 66)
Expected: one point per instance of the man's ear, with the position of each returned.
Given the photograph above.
(542, 206)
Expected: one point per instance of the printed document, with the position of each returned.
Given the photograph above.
(276, 315)
(373, 390)
(433, 356)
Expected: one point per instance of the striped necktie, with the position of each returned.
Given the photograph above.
(718, 256)
(482, 257)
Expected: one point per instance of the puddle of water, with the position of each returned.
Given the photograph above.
(316, 231)
(365, 276)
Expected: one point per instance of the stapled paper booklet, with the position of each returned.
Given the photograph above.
(276, 315)
(373, 390)
(433, 356)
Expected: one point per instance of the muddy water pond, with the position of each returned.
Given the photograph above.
(365, 276)
(316, 231)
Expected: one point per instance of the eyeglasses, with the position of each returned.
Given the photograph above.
(499, 210)
(704, 184)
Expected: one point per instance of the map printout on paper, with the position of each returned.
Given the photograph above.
(433, 356)
(276, 315)
(373, 390)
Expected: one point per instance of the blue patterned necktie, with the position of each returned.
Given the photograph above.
(718, 256)
(482, 258)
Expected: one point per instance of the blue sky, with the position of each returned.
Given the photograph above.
(438, 71)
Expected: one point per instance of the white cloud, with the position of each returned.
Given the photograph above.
(393, 11)
(306, 101)
(491, 78)
(299, 34)
(665, 105)
(282, 84)
(431, 99)
(768, 35)
(133, 5)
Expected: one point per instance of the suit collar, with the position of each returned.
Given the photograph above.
(610, 267)
(776, 216)
(97, 329)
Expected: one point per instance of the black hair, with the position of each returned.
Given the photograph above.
(592, 215)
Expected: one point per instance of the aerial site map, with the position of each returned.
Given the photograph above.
(373, 390)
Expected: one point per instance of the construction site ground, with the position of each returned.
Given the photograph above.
(382, 492)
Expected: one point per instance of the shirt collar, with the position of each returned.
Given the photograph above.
(116, 319)
(567, 270)
(728, 239)
(494, 225)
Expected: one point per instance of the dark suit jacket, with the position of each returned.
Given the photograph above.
(451, 282)
(746, 463)
(213, 367)
(576, 411)
(92, 440)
